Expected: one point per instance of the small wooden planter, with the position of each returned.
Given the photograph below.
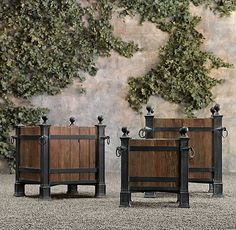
(52, 155)
(205, 139)
(149, 165)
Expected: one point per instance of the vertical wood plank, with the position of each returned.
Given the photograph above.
(30, 153)
(54, 151)
(92, 153)
(75, 153)
(84, 152)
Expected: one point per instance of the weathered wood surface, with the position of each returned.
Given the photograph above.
(201, 141)
(154, 163)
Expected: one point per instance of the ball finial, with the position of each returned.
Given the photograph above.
(183, 131)
(149, 109)
(125, 131)
(212, 110)
(72, 120)
(45, 118)
(217, 108)
(100, 119)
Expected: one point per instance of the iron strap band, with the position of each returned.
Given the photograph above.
(63, 170)
(72, 137)
(153, 189)
(201, 169)
(201, 180)
(29, 137)
(59, 137)
(153, 179)
(78, 182)
(191, 129)
(29, 170)
(73, 170)
(153, 148)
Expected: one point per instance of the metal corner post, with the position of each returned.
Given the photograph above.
(125, 194)
(44, 188)
(217, 155)
(19, 187)
(100, 188)
(149, 122)
(184, 194)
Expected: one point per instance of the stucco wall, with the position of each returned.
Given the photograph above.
(106, 91)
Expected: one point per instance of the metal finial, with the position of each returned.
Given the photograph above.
(18, 119)
(72, 120)
(149, 109)
(45, 118)
(217, 108)
(100, 119)
(125, 131)
(212, 110)
(183, 131)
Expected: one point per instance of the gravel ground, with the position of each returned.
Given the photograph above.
(86, 212)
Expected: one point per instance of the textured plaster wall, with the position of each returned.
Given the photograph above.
(106, 91)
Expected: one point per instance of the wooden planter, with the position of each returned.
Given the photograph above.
(205, 139)
(149, 165)
(52, 155)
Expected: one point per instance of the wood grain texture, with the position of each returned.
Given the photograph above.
(154, 163)
(30, 153)
(201, 141)
(72, 154)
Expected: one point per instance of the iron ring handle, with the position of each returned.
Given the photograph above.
(191, 153)
(119, 150)
(224, 130)
(12, 139)
(142, 133)
(107, 138)
(43, 140)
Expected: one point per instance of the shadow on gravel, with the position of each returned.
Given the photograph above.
(154, 204)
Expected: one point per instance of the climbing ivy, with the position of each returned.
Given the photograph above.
(183, 74)
(45, 44)
(9, 114)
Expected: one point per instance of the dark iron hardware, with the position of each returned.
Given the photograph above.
(120, 150)
(143, 132)
(107, 138)
(191, 153)
(72, 121)
(224, 131)
(12, 139)
(43, 140)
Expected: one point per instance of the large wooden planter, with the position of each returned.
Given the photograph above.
(149, 165)
(205, 139)
(52, 155)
